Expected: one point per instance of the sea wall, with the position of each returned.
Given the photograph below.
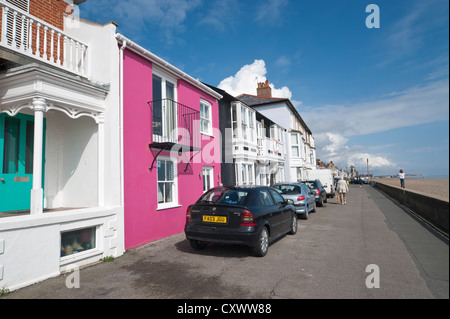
(433, 210)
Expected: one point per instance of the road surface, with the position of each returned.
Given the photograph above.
(341, 251)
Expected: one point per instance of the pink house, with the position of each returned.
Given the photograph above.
(171, 144)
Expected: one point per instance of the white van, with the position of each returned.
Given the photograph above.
(325, 176)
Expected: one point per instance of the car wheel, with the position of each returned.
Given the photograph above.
(315, 207)
(197, 245)
(306, 214)
(294, 224)
(261, 248)
(320, 202)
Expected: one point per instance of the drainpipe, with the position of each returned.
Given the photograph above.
(122, 181)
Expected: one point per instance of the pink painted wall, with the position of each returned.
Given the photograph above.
(144, 223)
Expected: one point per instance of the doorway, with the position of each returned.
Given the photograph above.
(16, 161)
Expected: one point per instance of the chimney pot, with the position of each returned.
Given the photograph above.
(264, 90)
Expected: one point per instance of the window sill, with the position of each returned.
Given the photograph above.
(168, 207)
(207, 134)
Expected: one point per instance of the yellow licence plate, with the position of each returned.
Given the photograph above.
(215, 219)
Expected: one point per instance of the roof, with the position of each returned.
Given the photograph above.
(136, 48)
(255, 101)
(232, 98)
(251, 100)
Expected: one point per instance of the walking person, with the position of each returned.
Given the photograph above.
(342, 189)
(401, 175)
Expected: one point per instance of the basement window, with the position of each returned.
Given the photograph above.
(77, 241)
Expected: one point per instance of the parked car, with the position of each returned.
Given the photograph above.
(358, 180)
(325, 176)
(303, 198)
(251, 216)
(320, 193)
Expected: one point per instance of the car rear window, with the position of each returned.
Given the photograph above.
(311, 184)
(288, 189)
(225, 196)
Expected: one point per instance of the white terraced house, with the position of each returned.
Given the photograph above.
(60, 141)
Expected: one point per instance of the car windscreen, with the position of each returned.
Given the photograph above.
(288, 189)
(225, 196)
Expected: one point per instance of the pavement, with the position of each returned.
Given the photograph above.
(332, 256)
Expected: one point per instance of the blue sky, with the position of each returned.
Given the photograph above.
(379, 93)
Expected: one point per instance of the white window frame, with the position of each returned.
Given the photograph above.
(174, 202)
(295, 145)
(208, 175)
(246, 173)
(164, 79)
(208, 119)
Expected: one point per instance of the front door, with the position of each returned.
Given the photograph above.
(16, 161)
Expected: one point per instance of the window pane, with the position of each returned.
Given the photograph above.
(170, 91)
(168, 189)
(77, 241)
(29, 148)
(206, 110)
(295, 151)
(243, 119)
(157, 105)
(294, 139)
(160, 193)
(278, 198)
(170, 173)
(266, 198)
(161, 171)
(202, 110)
(11, 146)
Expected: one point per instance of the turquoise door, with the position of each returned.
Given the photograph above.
(16, 161)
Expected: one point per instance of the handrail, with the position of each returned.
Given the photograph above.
(28, 35)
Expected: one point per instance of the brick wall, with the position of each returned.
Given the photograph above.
(51, 11)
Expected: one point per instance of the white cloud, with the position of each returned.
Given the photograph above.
(135, 15)
(246, 79)
(333, 147)
(334, 125)
(270, 10)
(283, 61)
(217, 10)
(414, 106)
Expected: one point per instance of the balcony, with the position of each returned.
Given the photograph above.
(175, 127)
(270, 149)
(27, 36)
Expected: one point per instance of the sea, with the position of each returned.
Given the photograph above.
(441, 176)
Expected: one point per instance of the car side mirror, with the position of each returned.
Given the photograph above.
(289, 202)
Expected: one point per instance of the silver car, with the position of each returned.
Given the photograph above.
(302, 196)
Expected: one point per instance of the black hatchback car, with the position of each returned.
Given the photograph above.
(251, 216)
(319, 191)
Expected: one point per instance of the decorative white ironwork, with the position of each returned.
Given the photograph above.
(35, 38)
(70, 112)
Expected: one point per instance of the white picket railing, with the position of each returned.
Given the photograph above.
(25, 34)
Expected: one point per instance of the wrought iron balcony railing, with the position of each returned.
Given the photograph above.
(25, 34)
(174, 124)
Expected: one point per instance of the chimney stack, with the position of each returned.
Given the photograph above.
(264, 90)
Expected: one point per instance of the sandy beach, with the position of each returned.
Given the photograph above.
(434, 187)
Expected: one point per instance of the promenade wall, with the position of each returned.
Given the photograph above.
(433, 210)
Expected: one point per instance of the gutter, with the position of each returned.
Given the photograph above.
(166, 65)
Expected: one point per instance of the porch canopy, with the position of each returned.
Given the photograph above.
(38, 89)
